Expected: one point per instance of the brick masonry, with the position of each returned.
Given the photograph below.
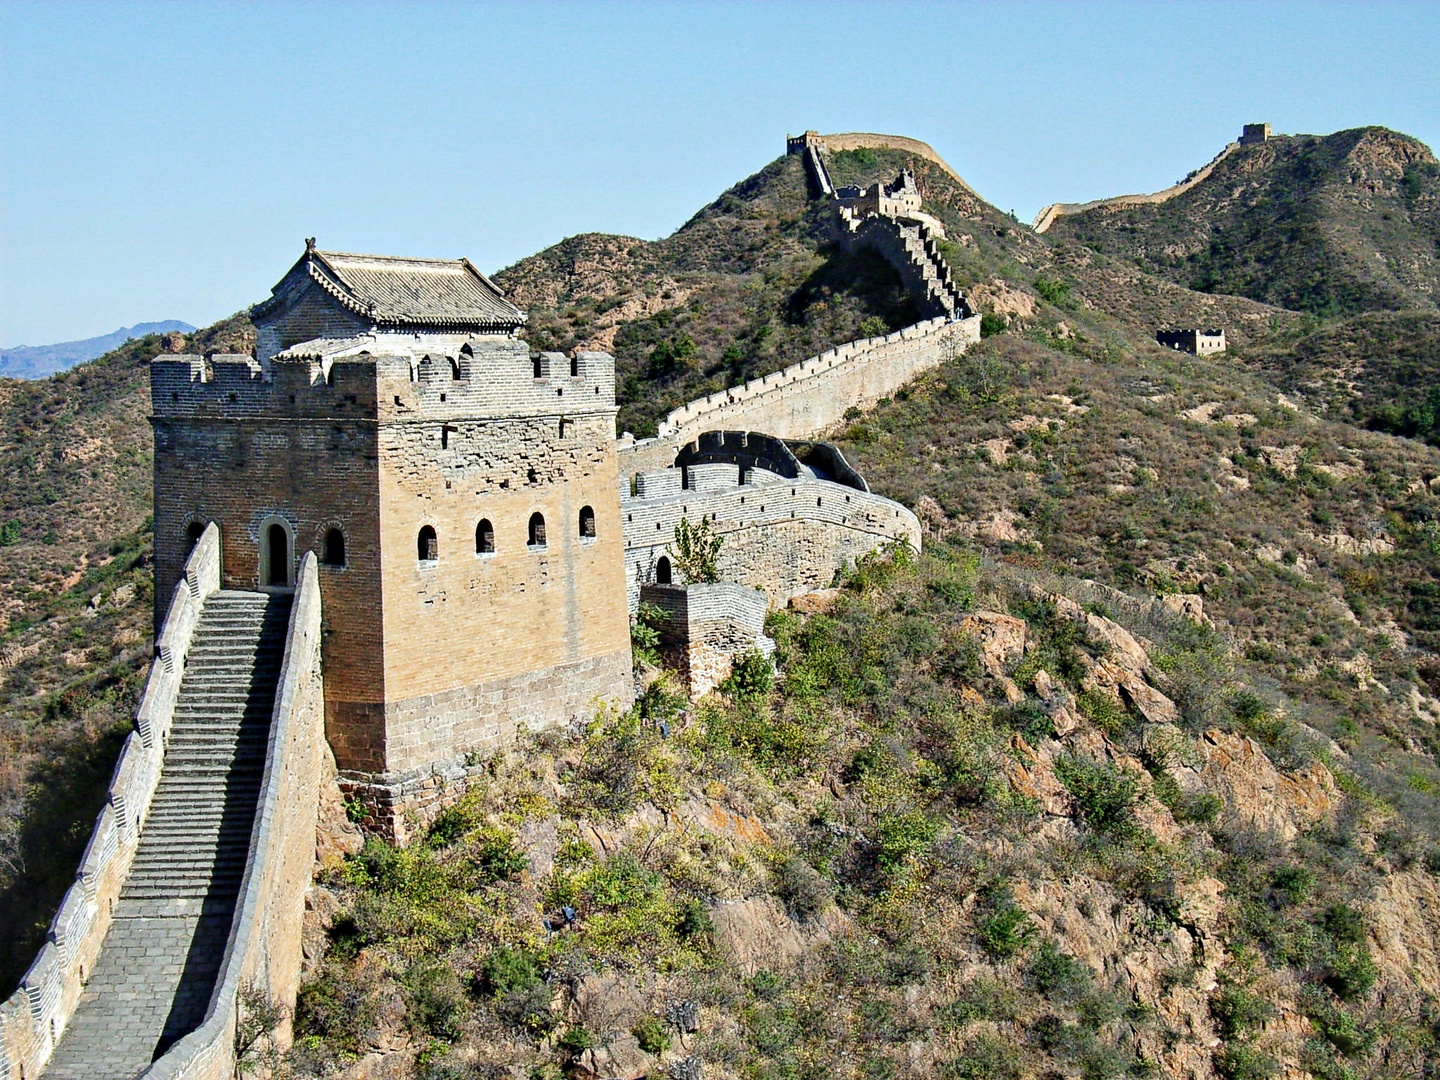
(705, 627)
(425, 659)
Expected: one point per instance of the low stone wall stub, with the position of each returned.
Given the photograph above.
(706, 626)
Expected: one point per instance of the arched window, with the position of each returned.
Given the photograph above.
(193, 532)
(334, 548)
(587, 523)
(537, 530)
(662, 571)
(426, 545)
(484, 537)
(277, 562)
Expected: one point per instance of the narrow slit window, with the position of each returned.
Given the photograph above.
(335, 548)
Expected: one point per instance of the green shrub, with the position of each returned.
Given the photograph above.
(904, 838)
(874, 326)
(752, 675)
(1057, 974)
(340, 1006)
(1105, 794)
(1005, 931)
(574, 1041)
(983, 998)
(645, 635)
(986, 1057)
(697, 551)
(1053, 291)
(1105, 711)
(1292, 884)
(991, 324)
(652, 1035)
(497, 856)
(1242, 1062)
(507, 970)
(1350, 971)
(434, 999)
(1238, 1010)
(454, 822)
(1340, 1028)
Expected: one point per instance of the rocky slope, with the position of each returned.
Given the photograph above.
(979, 830)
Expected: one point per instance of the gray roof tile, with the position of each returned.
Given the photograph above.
(398, 291)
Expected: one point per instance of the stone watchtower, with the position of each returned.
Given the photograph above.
(461, 494)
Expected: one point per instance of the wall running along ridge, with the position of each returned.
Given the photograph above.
(1048, 214)
(34, 1017)
(863, 140)
(264, 948)
(808, 399)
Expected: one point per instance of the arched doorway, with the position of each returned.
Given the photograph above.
(277, 555)
(662, 571)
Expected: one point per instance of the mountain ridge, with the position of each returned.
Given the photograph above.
(38, 361)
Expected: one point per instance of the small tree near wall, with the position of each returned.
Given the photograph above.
(697, 551)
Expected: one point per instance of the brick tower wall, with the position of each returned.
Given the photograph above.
(482, 645)
(237, 450)
(426, 664)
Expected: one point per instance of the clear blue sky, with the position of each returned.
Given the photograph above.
(167, 160)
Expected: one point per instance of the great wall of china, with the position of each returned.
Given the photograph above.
(1253, 133)
(191, 891)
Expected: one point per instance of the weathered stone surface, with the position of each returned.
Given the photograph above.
(819, 602)
(1001, 637)
(1256, 792)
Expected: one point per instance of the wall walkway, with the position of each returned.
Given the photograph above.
(1048, 214)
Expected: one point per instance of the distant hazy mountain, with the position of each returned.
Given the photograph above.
(38, 361)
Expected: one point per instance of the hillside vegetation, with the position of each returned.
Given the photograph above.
(1332, 225)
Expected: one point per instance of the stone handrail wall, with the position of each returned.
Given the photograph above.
(264, 947)
(810, 398)
(858, 140)
(33, 1018)
(1048, 214)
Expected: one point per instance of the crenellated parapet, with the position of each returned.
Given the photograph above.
(493, 377)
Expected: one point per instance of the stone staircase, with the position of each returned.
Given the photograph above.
(909, 245)
(157, 967)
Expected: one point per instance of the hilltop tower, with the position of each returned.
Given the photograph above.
(460, 492)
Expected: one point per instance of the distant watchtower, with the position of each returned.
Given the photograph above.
(460, 492)
(1254, 133)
